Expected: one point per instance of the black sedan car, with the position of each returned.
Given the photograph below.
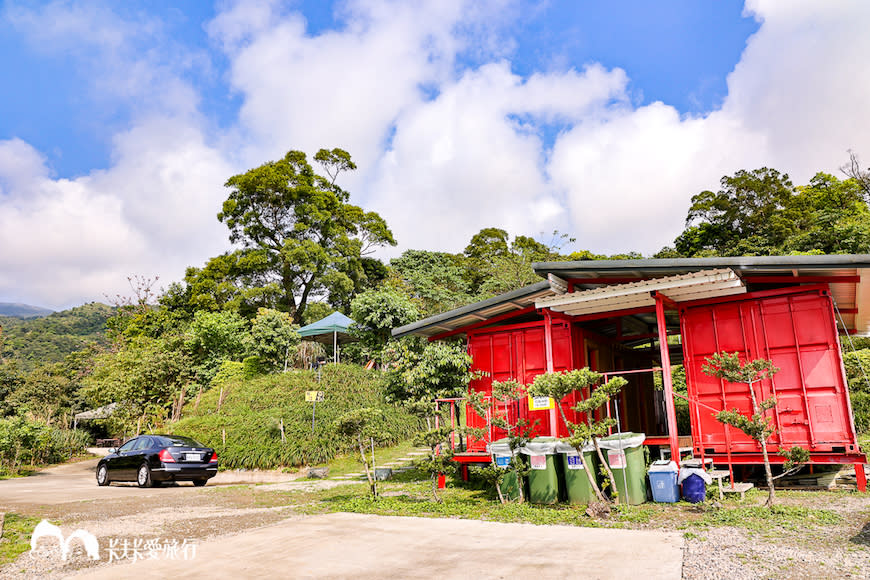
(150, 460)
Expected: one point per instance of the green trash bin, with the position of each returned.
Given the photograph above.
(501, 453)
(625, 456)
(543, 476)
(578, 490)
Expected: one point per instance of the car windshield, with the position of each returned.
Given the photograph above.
(179, 441)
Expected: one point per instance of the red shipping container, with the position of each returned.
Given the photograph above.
(796, 329)
(517, 352)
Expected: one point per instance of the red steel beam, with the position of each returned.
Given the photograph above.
(802, 279)
(667, 380)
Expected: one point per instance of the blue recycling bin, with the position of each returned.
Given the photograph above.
(694, 481)
(663, 481)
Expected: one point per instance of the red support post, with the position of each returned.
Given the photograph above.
(548, 346)
(860, 477)
(667, 381)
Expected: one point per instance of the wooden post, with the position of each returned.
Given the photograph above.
(667, 381)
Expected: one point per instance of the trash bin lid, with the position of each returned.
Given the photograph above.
(688, 471)
(565, 447)
(500, 447)
(540, 446)
(663, 466)
(622, 440)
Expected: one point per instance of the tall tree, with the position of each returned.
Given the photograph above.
(314, 241)
(747, 216)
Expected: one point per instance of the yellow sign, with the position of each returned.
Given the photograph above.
(541, 403)
(313, 396)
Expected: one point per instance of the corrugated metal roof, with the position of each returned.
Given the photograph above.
(679, 288)
(852, 298)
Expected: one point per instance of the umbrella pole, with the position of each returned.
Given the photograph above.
(335, 346)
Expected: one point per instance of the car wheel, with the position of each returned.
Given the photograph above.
(199, 482)
(143, 476)
(102, 475)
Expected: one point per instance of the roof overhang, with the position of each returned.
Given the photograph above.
(680, 288)
(847, 276)
(480, 313)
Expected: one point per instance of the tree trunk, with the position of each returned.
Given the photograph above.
(362, 452)
(607, 469)
(763, 442)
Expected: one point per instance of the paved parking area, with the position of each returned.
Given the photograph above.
(363, 546)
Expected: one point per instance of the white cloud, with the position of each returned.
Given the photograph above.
(462, 162)
(152, 212)
(444, 149)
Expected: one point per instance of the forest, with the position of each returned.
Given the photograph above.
(171, 357)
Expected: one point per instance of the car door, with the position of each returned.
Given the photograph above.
(121, 467)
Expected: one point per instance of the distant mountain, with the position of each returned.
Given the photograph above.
(23, 310)
(47, 339)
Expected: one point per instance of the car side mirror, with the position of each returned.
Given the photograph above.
(112, 450)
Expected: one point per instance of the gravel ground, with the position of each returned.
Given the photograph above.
(835, 551)
(840, 550)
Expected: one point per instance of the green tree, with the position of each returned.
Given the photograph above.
(436, 280)
(214, 337)
(313, 241)
(758, 426)
(363, 426)
(376, 313)
(273, 338)
(144, 378)
(745, 217)
(561, 384)
(496, 409)
(426, 371)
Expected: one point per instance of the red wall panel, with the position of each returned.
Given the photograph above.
(517, 352)
(797, 331)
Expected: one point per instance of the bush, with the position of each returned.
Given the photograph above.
(24, 442)
(253, 412)
(861, 411)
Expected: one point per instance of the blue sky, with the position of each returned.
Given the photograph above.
(677, 52)
(121, 121)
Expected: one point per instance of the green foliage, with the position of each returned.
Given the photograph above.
(857, 366)
(861, 411)
(761, 212)
(315, 311)
(436, 280)
(238, 281)
(215, 337)
(143, 378)
(36, 341)
(273, 338)
(794, 457)
(25, 442)
(431, 370)
(728, 366)
(310, 240)
(757, 426)
(252, 410)
(46, 392)
(376, 312)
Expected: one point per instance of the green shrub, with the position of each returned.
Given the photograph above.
(246, 431)
(861, 411)
(24, 442)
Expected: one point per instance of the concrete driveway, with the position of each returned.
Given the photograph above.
(77, 482)
(359, 546)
